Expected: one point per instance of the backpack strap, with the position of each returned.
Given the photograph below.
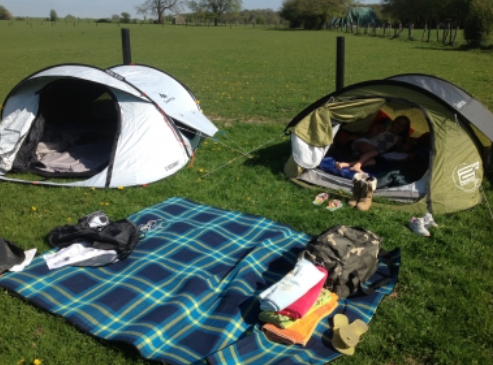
(386, 258)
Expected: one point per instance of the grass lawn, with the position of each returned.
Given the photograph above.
(251, 82)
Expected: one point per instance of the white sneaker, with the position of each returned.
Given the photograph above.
(417, 225)
(429, 221)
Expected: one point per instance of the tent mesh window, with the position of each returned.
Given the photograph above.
(74, 131)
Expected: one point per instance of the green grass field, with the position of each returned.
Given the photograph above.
(251, 82)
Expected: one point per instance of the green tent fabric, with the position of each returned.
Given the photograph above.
(455, 171)
(361, 15)
(316, 128)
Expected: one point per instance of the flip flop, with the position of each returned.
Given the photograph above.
(347, 336)
(334, 204)
(321, 198)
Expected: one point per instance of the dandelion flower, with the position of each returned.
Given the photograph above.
(69, 219)
(37, 362)
(33, 208)
(201, 170)
(120, 188)
(107, 203)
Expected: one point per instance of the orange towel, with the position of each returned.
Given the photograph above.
(302, 330)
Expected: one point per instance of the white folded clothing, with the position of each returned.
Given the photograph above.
(290, 288)
(29, 258)
(80, 254)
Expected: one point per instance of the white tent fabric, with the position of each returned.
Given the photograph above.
(148, 150)
(86, 73)
(14, 127)
(169, 94)
(149, 146)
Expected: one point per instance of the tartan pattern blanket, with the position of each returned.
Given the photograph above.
(188, 293)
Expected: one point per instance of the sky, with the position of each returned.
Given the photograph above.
(104, 8)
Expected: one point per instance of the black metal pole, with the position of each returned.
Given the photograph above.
(127, 58)
(340, 63)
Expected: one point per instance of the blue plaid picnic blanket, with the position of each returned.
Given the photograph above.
(188, 293)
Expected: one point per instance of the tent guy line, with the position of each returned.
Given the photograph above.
(248, 154)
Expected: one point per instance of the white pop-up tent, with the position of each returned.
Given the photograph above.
(124, 126)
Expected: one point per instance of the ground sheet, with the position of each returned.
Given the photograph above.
(188, 294)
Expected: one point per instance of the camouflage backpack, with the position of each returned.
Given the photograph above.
(350, 255)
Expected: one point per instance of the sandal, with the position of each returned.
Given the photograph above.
(334, 204)
(321, 198)
(346, 335)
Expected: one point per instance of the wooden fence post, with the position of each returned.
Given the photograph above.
(340, 52)
(127, 56)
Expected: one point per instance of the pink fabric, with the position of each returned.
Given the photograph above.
(301, 307)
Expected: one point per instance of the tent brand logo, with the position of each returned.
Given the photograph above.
(115, 75)
(164, 97)
(174, 164)
(460, 104)
(466, 177)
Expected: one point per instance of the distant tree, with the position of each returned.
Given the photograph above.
(312, 14)
(70, 17)
(479, 24)
(125, 17)
(158, 7)
(423, 12)
(115, 17)
(271, 17)
(5, 14)
(216, 8)
(292, 12)
(53, 16)
(260, 20)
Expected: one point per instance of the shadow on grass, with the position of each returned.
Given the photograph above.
(273, 157)
(488, 174)
(461, 48)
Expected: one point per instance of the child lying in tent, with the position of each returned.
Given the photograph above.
(380, 141)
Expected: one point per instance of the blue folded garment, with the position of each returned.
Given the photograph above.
(328, 164)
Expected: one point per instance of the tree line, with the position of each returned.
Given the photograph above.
(474, 16)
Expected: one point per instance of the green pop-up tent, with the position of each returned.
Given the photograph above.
(361, 15)
(460, 130)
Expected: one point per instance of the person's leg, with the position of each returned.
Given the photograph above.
(341, 165)
(361, 147)
(363, 160)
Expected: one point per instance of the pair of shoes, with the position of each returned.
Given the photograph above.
(347, 336)
(320, 199)
(422, 225)
(417, 225)
(363, 188)
(429, 221)
(334, 204)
